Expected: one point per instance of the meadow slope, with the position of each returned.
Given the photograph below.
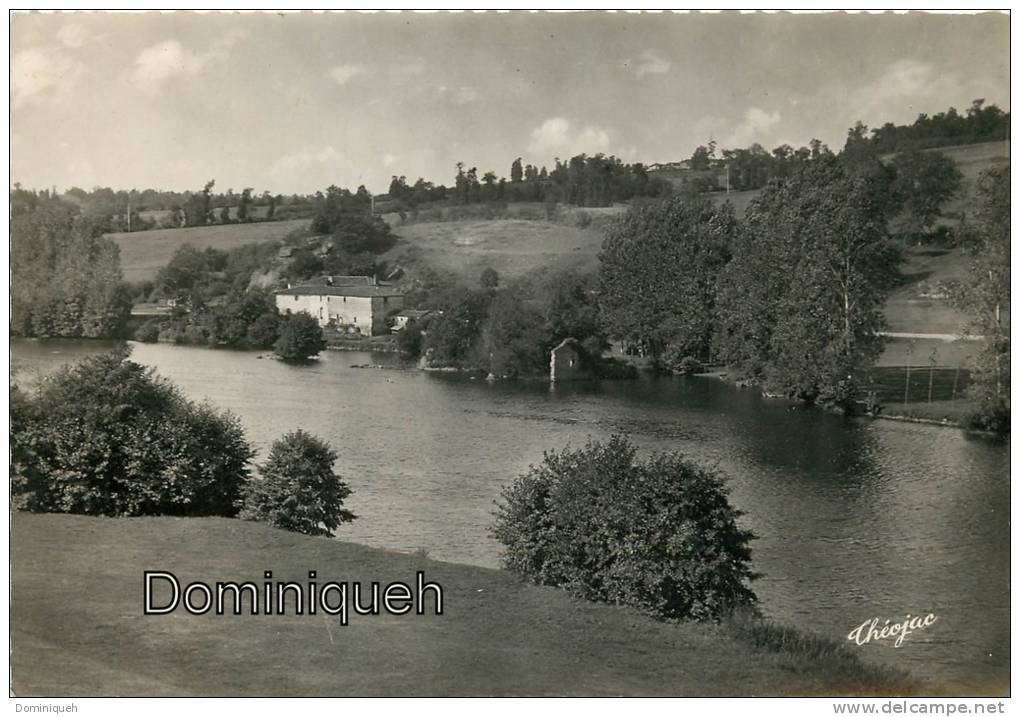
(78, 627)
(142, 254)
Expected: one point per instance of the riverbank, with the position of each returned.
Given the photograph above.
(78, 628)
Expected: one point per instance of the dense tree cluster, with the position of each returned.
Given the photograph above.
(657, 276)
(984, 294)
(583, 180)
(507, 330)
(980, 123)
(143, 209)
(65, 275)
(753, 167)
(799, 306)
(214, 300)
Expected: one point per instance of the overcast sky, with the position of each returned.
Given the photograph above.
(294, 103)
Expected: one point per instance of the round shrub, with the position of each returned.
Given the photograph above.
(690, 366)
(105, 436)
(300, 337)
(658, 535)
(148, 332)
(298, 489)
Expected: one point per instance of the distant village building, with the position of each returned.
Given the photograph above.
(406, 317)
(353, 304)
(567, 362)
(285, 252)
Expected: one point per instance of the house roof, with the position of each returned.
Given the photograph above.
(322, 290)
(413, 313)
(347, 280)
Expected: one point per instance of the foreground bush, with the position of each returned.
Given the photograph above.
(298, 489)
(105, 436)
(659, 535)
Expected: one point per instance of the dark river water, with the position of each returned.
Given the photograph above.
(856, 519)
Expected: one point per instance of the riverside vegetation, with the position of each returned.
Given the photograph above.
(821, 277)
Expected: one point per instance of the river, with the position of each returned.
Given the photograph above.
(855, 518)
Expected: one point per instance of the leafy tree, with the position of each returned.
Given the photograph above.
(410, 339)
(857, 146)
(701, 159)
(300, 337)
(657, 274)
(489, 278)
(516, 171)
(362, 234)
(453, 336)
(924, 182)
(800, 303)
(264, 331)
(336, 204)
(244, 204)
(657, 534)
(105, 436)
(572, 311)
(297, 489)
(514, 341)
(985, 295)
(65, 275)
(199, 207)
(233, 320)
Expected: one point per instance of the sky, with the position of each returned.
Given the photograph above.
(292, 103)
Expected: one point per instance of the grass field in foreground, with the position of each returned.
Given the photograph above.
(142, 254)
(78, 628)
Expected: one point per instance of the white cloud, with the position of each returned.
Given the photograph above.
(37, 72)
(307, 158)
(557, 137)
(75, 36)
(459, 96)
(649, 64)
(907, 87)
(753, 128)
(170, 58)
(342, 74)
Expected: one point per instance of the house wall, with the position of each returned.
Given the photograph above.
(312, 305)
(367, 313)
(350, 311)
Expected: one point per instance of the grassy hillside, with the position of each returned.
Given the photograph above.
(142, 254)
(78, 628)
(513, 247)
